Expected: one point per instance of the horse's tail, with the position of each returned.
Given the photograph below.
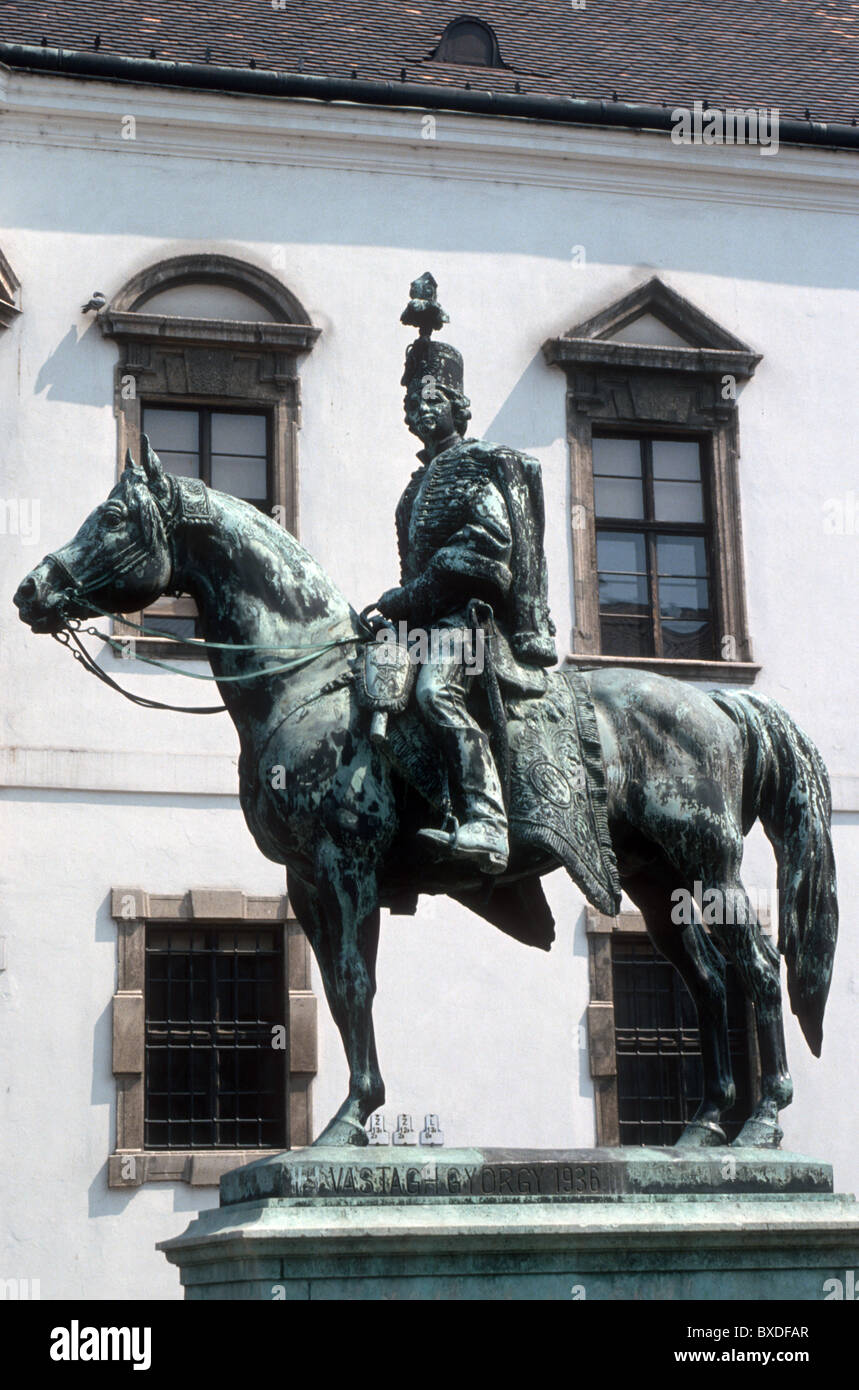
(786, 786)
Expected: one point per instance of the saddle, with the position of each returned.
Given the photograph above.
(555, 788)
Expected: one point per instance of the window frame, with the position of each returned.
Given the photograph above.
(615, 386)
(205, 410)
(446, 49)
(650, 526)
(133, 909)
(169, 1037)
(223, 364)
(601, 1033)
(183, 606)
(670, 1045)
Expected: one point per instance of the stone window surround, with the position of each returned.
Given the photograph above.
(133, 909)
(174, 360)
(10, 294)
(630, 387)
(600, 1016)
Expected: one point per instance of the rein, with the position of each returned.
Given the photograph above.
(189, 503)
(71, 634)
(68, 635)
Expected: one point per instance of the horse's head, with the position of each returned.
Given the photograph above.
(119, 561)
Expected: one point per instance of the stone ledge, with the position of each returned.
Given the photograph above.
(699, 361)
(257, 1228)
(657, 1248)
(200, 1167)
(680, 668)
(129, 772)
(292, 338)
(200, 904)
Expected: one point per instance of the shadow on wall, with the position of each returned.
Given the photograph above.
(756, 235)
(520, 423)
(67, 374)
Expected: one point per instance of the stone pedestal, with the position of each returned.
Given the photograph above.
(495, 1224)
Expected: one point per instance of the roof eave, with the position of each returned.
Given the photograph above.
(115, 67)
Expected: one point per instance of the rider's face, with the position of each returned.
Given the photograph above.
(429, 415)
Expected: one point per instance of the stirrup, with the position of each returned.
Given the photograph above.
(489, 859)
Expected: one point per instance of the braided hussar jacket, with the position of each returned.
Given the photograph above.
(470, 524)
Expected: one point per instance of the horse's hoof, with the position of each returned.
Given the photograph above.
(759, 1134)
(702, 1134)
(342, 1132)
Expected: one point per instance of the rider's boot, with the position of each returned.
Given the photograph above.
(481, 842)
(481, 838)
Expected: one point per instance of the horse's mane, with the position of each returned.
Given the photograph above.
(244, 520)
(277, 536)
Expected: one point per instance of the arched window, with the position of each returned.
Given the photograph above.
(469, 41)
(208, 354)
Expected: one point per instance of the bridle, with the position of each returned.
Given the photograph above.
(187, 503)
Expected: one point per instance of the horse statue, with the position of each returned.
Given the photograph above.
(686, 774)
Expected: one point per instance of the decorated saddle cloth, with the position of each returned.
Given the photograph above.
(557, 786)
(557, 791)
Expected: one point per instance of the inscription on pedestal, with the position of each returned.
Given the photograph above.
(448, 1180)
(519, 1175)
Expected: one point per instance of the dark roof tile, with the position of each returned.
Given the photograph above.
(791, 54)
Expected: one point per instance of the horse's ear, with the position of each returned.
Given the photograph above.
(155, 475)
(130, 465)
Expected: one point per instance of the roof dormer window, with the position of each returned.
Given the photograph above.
(469, 41)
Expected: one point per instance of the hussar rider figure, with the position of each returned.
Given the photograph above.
(470, 527)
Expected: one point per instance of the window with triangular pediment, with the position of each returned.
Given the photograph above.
(653, 385)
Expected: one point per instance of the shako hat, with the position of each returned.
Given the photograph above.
(424, 358)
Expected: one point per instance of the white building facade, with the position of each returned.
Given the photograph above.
(531, 229)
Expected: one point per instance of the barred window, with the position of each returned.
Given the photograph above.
(659, 1076)
(214, 1075)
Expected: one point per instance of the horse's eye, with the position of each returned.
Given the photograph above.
(112, 519)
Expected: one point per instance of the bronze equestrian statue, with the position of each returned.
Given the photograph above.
(623, 777)
(470, 527)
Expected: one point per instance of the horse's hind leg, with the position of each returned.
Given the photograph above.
(340, 916)
(757, 961)
(702, 969)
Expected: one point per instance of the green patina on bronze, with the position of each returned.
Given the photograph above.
(683, 774)
(520, 1175)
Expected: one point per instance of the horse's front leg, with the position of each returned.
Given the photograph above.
(340, 915)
